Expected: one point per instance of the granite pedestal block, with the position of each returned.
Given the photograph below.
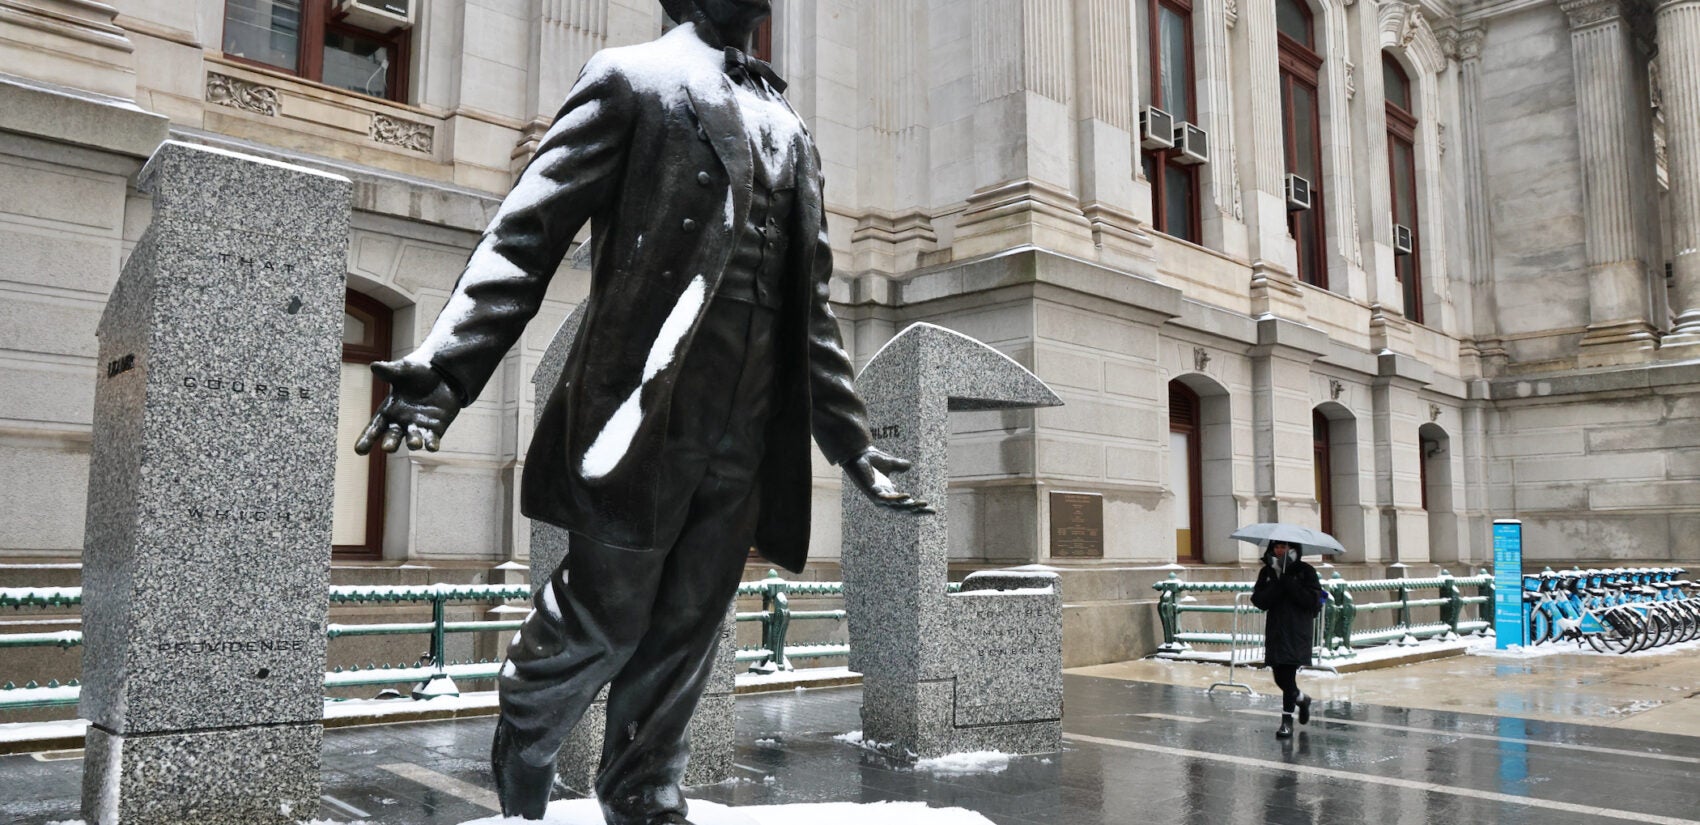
(207, 548)
(712, 727)
(945, 673)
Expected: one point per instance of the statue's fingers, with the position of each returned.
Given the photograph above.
(415, 437)
(893, 464)
(373, 431)
(392, 438)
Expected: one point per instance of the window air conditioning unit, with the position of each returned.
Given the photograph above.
(377, 15)
(1192, 145)
(1403, 244)
(1156, 129)
(1298, 194)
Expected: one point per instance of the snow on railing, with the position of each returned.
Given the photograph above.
(1340, 633)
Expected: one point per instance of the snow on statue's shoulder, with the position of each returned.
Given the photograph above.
(666, 66)
(586, 812)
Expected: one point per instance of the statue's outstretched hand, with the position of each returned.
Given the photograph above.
(417, 411)
(868, 472)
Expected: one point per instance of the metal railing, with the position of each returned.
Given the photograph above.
(433, 674)
(775, 655)
(1345, 623)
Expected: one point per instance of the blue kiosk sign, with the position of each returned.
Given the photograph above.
(1508, 584)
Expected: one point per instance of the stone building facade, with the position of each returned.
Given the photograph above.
(1407, 267)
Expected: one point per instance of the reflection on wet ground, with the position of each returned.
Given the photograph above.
(1136, 752)
(1657, 691)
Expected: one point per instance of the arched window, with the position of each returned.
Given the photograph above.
(357, 514)
(1174, 185)
(1302, 123)
(1186, 435)
(1402, 166)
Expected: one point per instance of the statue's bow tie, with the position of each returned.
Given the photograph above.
(741, 67)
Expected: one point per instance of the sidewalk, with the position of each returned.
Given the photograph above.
(1135, 752)
(1658, 690)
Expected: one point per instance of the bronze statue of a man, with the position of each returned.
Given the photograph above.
(679, 435)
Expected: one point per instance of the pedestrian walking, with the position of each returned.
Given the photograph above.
(1290, 594)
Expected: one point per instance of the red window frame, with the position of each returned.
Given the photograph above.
(1159, 162)
(1402, 132)
(378, 318)
(763, 45)
(1324, 460)
(317, 20)
(1186, 416)
(1300, 68)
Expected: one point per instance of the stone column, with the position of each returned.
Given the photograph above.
(1262, 162)
(1478, 229)
(563, 35)
(1679, 60)
(1281, 424)
(1617, 180)
(1024, 153)
(1105, 124)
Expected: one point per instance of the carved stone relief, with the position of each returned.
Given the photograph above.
(236, 93)
(406, 134)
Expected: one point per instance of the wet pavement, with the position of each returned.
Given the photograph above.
(1658, 690)
(1136, 752)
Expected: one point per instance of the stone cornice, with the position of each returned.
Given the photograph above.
(1404, 26)
(1584, 13)
(1636, 14)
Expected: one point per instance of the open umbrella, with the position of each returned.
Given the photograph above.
(1312, 540)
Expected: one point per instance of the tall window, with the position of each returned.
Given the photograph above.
(1186, 472)
(1174, 186)
(1324, 468)
(357, 512)
(309, 38)
(1301, 116)
(1402, 163)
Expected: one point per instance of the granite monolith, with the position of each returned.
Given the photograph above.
(945, 672)
(206, 561)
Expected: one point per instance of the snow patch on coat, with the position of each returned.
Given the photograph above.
(485, 266)
(611, 445)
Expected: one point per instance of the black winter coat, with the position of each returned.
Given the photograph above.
(652, 150)
(1290, 602)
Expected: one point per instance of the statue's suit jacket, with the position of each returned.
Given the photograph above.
(651, 148)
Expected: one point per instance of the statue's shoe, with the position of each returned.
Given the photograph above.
(522, 789)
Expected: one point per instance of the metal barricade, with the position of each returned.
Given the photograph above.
(1242, 605)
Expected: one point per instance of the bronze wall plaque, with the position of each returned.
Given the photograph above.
(1077, 526)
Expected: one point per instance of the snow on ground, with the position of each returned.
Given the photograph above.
(586, 812)
(953, 764)
(32, 731)
(390, 707)
(1572, 648)
(1393, 650)
(960, 764)
(801, 676)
